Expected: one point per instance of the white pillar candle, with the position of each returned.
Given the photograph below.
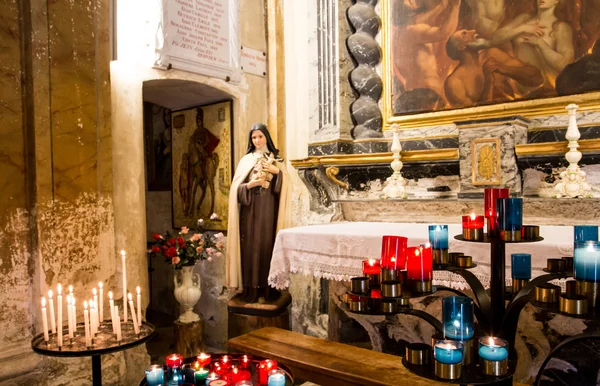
(111, 304)
(117, 317)
(124, 287)
(45, 320)
(101, 305)
(86, 325)
(139, 305)
(136, 328)
(59, 321)
(52, 318)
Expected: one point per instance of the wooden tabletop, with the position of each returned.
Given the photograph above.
(319, 360)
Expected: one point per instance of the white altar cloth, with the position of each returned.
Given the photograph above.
(335, 251)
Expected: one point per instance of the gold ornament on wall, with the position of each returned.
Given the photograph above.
(485, 158)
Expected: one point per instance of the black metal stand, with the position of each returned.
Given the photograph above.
(497, 286)
(104, 343)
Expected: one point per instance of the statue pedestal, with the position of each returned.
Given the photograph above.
(247, 317)
(189, 338)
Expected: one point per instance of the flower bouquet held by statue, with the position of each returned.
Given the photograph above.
(261, 169)
(184, 252)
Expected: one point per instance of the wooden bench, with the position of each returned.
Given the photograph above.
(328, 363)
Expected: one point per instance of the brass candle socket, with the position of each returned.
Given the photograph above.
(452, 256)
(574, 304)
(422, 287)
(388, 274)
(403, 301)
(418, 353)
(464, 261)
(555, 265)
(439, 256)
(510, 235)
(391, 289)
(530, 232)
(495, 368)
(358, 305)
(388, 306)
(473, 234)
(590, 289)
(360, 285)
(571, 286)
(547, 293)
(374, 279)
(568, 263)
(518, 284)
(469, 351)
(446, 371)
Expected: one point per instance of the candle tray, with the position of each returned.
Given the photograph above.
(289, 377)
(104, 343)
(487, 239)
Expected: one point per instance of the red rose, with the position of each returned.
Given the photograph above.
(180, 241)
(164, 248)
(155, 249)
(172, 241)
(156, 236)
(171, 252)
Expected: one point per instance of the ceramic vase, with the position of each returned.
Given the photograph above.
(187, 293)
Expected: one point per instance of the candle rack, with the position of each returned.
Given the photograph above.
(105, 342)
(495, 317)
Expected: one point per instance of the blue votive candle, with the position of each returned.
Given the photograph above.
(583, 233)
(510, 217)
(276, 378)
(448, 352)
(521, 266)
(587, 261)
(155, 375)
(458, 317)
(493, 349)
(438, 236)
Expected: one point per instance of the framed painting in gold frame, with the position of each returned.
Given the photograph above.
(442, 63)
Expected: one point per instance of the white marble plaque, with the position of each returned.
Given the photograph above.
(253, 61)
(200, 36)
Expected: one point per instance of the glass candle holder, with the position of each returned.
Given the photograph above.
(245, 362)
(212, 377)
(438, 236)
(174, 363)
(509, 218)
(449, 352)
(521, 266)
(587, 261)
(371, 266)
(473, 227)
(276, 378)
(244, 383)
(493, 349)
(217, 368)
(490, 195)
(264, 367)
(201, 373)
(204, 359)
(458, 317)
(583, 233)
(393, 252)
(226, 362)
(419, 264)
(155, 375)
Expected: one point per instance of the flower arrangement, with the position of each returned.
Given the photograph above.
(260, 169)
(190, 246)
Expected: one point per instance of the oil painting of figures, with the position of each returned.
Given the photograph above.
(451, 54)
(202, 166)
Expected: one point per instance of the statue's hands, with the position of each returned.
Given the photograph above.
(257, 180)
(271, 168)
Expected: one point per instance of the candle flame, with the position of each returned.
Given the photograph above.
(85, 305)
(94, 291)
(43, 301)
(491, 341)
(472, 216)
(70, 289)
(49, 294)
(371, 262)
(196, 366)
(129, 296)
(417, 252)
(427, 245)
(393, 259)
(100, 285)
(110, 295)
(123, 253)
(137, 289)
(456, 324)
(59, 289)
(438, 228)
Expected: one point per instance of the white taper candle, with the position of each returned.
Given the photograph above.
(136, 328)
(45, 320)
(124, 287)
(52, 317)
(139, 305)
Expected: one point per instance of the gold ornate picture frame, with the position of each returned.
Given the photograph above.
(396, 19)
(485, 161)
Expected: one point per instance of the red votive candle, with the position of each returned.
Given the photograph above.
(489, 197)
(226, 362)
(376, 293)
(204, 359)
(245, 362)
(419, 264)
(371, 266)
(473, 227)
(263, 370)
(393, 252)
(174, 360)
(217, 368)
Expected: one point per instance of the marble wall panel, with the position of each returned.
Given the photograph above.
(558, 134)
